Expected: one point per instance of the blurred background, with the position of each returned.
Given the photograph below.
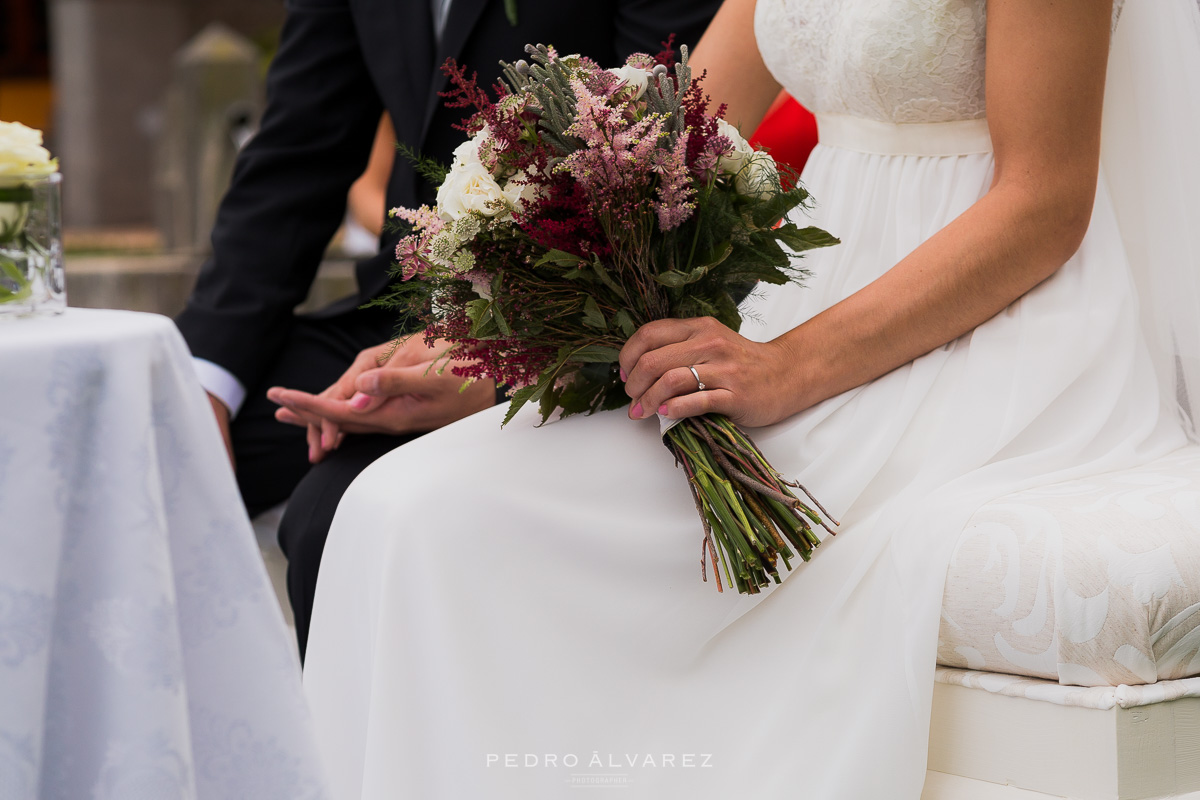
(145, 103)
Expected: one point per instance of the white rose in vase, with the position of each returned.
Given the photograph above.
(21, 157)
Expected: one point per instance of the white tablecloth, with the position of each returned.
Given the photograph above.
(142, 652)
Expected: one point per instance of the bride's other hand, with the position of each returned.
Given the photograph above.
(403, 393)
(752, 383)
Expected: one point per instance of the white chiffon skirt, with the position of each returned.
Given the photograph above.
(512, 614)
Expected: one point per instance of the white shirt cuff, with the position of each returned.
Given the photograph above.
(220, 382)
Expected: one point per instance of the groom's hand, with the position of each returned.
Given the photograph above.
(408, 393)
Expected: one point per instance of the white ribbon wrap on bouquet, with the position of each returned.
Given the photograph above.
(665, 424)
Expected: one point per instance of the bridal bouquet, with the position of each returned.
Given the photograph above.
(586, 203)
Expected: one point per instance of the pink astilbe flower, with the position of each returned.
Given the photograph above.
(422, 219)
(595, 120)
(619, 153)
(675, 194)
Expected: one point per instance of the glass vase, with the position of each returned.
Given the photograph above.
(32, 279)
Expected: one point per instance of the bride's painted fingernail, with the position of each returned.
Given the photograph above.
(624, 377)
(663, 409)
(636, 411)
(360, 401)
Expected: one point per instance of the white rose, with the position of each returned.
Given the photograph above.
(21, 151)
(467, 153)
(635, 78)
(470, 187)
(518, 191)
(741, 154)
(760, 177)
(754, 171)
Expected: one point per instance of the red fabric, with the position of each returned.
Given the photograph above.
(789, 132)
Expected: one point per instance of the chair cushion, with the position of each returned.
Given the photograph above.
(1092, 582)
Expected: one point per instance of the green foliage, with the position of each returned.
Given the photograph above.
(430, 169)
(549, 81)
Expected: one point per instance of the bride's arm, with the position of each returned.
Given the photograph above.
(1045, 83)
(736, 75)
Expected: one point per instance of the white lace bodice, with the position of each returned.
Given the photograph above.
(898, 61)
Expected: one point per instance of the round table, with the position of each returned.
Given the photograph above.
(142, 651)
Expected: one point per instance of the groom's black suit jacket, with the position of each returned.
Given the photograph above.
(340, 64)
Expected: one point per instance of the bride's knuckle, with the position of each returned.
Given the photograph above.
(651, 364)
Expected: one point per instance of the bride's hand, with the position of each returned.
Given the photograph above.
(750, 382)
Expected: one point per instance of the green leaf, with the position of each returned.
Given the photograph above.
(550, 399)
(519, 398)
(800, 239)
(694, 306)
(727, 312)
(592, 317)
(428, 168)
(545, 381)
(766, 213)
(501, 322)
(606, 279)
(589, 354)
(482, 314)
(477, 309)
(675, 279)
(580, 396)
(625, 323)
(559, 258)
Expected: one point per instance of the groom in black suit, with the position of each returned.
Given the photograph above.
(341, 63)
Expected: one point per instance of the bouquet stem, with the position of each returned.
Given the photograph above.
(751, 518)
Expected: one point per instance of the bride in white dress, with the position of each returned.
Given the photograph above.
(510, 614)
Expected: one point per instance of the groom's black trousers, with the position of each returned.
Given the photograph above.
(272, 457)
